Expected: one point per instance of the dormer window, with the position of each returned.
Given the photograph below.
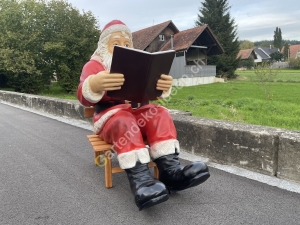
(161, 37)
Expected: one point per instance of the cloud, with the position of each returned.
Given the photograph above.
(255, 19)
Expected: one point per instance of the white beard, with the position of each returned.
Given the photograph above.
(106, 61)
(102, 55)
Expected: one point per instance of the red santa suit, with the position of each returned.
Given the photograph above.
(123, 126)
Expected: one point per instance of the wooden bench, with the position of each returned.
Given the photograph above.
(102, 154)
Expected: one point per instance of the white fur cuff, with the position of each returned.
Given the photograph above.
(88, 94)
(163, 148)
(128, 160)
(100, 123)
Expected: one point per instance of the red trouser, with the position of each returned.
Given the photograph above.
(127, 128)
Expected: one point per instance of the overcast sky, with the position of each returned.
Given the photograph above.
(256, 19)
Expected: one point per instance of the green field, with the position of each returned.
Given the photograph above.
(284, 75)
(243, 100)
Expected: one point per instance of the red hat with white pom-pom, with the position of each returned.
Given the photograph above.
(114, 26)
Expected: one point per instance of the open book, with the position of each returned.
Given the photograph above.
(141, 71)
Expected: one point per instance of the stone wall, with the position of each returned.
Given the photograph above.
(266, 150)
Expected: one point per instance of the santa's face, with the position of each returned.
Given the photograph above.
(118, 38)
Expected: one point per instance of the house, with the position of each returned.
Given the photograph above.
(294, 51)
(263, 54)
(245, 54)
(192, 47)
(152, 38)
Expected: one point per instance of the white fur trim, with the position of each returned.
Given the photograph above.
(163, 148)
(167, 93)
(115, 28)
(88, 94)
(100, 123)
(128, 160)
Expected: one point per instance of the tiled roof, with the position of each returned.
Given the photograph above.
(294, 49)
(269, 51)
(245, 53)
(261, 53)
(142, 38)
(184, 39)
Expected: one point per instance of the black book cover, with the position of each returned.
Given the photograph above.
(141, 71)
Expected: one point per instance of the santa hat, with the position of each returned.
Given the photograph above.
(114, 26)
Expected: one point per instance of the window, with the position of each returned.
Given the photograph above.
(161, 37)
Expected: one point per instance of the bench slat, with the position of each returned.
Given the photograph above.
(89, 112)
(96, 143)
(102, 148)
(92, 136)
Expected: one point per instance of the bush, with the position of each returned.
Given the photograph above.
(295, 63)
(248, 63)
(20, 70)
(3, 80)
(26, 83)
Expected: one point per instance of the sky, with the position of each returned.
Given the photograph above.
(256, 20)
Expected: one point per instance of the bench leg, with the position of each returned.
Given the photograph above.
(97, 158)
(156, 172)
(108, 173)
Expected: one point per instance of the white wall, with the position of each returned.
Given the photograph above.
(193, 81)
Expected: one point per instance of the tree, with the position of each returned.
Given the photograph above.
(277, 38)
(294, 63)
(286, 51)
(246, 45)
(265, 43)
(73, 39)
(248, 63)
(19, 45)
(276, 56)
(216, 14)
(39, 37)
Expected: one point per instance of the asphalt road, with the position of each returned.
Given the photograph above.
(48, 177)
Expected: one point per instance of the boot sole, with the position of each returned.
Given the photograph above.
(199, 179)
(154, 201)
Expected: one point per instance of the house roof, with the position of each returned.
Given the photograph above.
(142, 38)
(184, 39)
(294, 49)
(246, 53)
(269, 51)
(265, 52)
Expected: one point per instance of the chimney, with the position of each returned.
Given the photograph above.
(172, 42)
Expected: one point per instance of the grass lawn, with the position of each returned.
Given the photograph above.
(286, 75)
(244, 100)
(57, 92)
(241, 102)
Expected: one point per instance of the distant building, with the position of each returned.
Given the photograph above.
(294, 51)
(245, 54)
(263, 54)
(192, 47)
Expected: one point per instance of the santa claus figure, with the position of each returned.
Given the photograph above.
(125, 125)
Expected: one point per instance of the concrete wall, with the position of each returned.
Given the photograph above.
(266, 150)
(193, 81)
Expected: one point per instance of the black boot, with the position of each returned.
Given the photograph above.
(146, 190)
(177, 177)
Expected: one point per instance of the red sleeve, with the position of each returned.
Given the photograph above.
(90, 68)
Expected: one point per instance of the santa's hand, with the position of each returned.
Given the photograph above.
(164, 83)
(105, 81)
